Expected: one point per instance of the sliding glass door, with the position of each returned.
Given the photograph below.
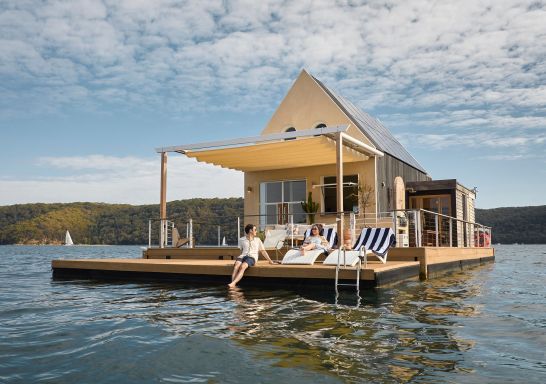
(279, 200)
(439, 204)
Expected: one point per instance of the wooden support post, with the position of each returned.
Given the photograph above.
(339, 186)
(163, 197)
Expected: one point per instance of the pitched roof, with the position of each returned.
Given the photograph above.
(379, 135)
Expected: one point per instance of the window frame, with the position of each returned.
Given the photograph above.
(323, 199)
(264, 204)
(319, 125)
(290, 129)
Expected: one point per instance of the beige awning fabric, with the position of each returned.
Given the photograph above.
(301, 152)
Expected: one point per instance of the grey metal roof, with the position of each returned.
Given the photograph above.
(379, 135)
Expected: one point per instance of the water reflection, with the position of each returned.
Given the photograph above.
(409, 329)
(483, 325)
(413, 332)
(397, 334)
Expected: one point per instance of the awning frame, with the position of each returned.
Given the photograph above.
(337, 133)
(331, 132)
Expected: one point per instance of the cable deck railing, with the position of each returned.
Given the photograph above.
(413, 228)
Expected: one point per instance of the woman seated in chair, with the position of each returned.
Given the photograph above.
(314, 241)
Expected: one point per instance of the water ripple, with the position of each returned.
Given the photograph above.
(482, 325)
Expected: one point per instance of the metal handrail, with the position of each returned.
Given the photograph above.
(419, 228)
(439, 214)
(166, 228)
(415, 216)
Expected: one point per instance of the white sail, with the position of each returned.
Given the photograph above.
(224, 243)
(68, 239)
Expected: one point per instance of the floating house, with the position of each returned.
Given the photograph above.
(316, 137)
(320, 146)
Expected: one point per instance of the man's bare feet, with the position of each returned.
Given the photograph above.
(231, 285)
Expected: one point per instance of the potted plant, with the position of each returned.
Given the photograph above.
(311, 208)
(365, 193)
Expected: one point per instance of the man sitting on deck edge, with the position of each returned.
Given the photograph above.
(250, 245)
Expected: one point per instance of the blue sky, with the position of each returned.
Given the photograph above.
(90, 88)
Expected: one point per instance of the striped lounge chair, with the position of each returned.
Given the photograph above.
(371, 242)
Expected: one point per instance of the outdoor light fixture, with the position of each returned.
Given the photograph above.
(248, 189)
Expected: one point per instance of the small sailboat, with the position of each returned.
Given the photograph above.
(68, 239)
(224, 243)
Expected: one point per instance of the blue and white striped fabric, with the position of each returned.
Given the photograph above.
(377, 240)
(329, 233)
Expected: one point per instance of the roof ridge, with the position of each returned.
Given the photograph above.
(373, 128)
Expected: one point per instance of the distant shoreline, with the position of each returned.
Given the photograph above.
(74, 245)
(110, 224)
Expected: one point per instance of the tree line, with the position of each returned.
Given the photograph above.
(123, 224)
(117, 224)
(523, 225)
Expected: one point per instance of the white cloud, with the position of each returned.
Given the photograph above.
(401, 49)
(121, 180)
(471, 140)
(97, 162)
(440, 69)
(507, 157)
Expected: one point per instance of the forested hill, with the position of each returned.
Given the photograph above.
(524, 225)
(94, 223)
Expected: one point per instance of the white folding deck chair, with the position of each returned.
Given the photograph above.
(346, 258)
(294, 256)
(274, 240)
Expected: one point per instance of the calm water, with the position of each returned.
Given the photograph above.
(487, 324)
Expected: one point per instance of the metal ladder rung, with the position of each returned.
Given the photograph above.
(344, 266)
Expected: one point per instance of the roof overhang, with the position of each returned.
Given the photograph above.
(312, 151)
(305, 148)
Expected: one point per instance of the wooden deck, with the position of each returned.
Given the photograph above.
(432, 260)
(214, 264)
(220, 271)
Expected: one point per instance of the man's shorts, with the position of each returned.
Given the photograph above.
(247, 259)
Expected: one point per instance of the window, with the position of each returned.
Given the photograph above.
(291, 129)
(350, 193)
(321, 125)
(279, 200)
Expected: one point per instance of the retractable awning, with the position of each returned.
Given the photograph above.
(304, 152)
(304, 148)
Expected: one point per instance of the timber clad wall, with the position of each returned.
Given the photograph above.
(471, 212)
(461, 231)
(461, 214)
(388, 168)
